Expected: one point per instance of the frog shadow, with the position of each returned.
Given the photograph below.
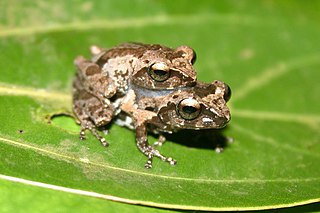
(202, 139)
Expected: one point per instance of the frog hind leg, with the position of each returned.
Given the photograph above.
(90, 112)
(94, 80)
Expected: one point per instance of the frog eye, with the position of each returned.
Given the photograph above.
(194, 58)
(189, 109)
(227, 93)
(159, 72)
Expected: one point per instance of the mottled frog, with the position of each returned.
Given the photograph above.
(147, 88)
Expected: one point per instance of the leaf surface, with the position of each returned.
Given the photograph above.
(268, 53)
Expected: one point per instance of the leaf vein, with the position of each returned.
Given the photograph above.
(40, 94)
(311, 120)
(141, 202)
(272, 73)
(80, 161)
(238, 19)
(271, 141)
(58, 96)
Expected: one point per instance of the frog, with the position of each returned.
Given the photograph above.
(155, 66)
(102, 81)
(200, 107)
(138, 86)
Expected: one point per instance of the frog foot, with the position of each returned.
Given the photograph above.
(161, 140)
(93, 130)
(151, 152)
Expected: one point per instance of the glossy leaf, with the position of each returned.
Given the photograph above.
(268, 52)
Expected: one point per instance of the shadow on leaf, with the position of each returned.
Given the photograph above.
(202, 139)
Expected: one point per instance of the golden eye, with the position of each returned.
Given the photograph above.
(189, 109)
(159, 72)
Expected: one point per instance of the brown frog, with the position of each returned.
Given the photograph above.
(146, 88)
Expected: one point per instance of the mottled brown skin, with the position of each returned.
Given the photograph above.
(147, 88)
(90, 111)
(179, 61)
(159, 113)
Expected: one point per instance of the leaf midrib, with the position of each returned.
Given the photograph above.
(25, 145)
(148, 203)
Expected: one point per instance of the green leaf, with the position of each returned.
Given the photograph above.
(267, 51)
(29, 198)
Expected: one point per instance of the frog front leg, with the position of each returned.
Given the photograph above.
(94, 80)
(141, 119)
(90, 112)
(148, 150)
